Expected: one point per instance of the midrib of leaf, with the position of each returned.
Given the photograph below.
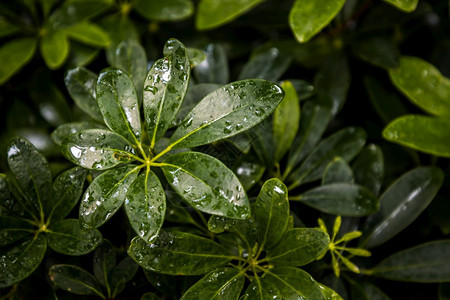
(227, 283)
(163, 99)
(284, 282)
(121, 180)
(41, 208)
(197, 254)
(185, 171)
(267, 227)
(293, 250)
(68, 235)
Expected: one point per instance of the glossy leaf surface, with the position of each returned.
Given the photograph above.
(54, 49)
(88, 33)
(13, 229)
(104, 261)
(171, 10)
(294, 283)
(14, 55)
(337, 171)
(74, 280)
(368, 168)
(214, 69)
(405, 5)
(262, 289)
(63, 131)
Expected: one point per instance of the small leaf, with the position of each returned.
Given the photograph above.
(328, 293)
(405, 5)
(170, 10)
(122, 273)
(244, 229)
(369, 168)
(75, 280)
(307, 19)
(97, 149)
(337, 171)
(423, 133)
(345, 199)
(423, 84)
(88, 33)
(214, 13)
(298, 247)
(54, 49)
(104, 261)
(14, 55)
(63, 131)
(271, 213)
(224, 283)
(105, 195)
(261, 288)
(228, 111)
(11, 204)
(13, 229)
(214, 69)
(249, 172)
(145, 204)
(21, 260)
(67, 237)
(402, 203)
(196, 56)
(118, 103)
(164, 89)
(206, 184)
(378, 50)
(429, 262)
(178, 253)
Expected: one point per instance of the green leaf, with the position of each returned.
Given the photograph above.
(214, 13)
(33, 175)
(14, 55)
(423, 133)
(303, 88)
(368, 291)
(429, 262)
(207, 184)
(263, 289)
(249, 172)
(21, 260)
(196, 56)
(329, 294)
(369, 168)
(97, 149)
(286, 120)
(6, 28)
(271, 213)
(244, 229)
(54, 49)
(63, 131)
(88, 33)
(105, 195)
(104, 261)
(294, 283)
(337, 171)
(13, 229)
(81, 83)
(378, 50)
(164, 89)
(67, 237)
(346, 143)
(170, 10)
(67, 188)
(75, 280)
(145, 204)
(344, 199)
(118, 103)
(178, 253)
(298, 247)
(224, 283)
(10, 205)
(214, 69)
(228, 111)
(308, 18)
(122, 273)
(423, 84)
(402, 203)
(81, 55)
(405, 5)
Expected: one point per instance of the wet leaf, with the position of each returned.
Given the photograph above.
(104, 261)
(54, 48)
(14, 55)
(245, 230)
(249, 172)
(337, 171)
(10, 205)
(402, 203)
(75, 280)
(178, 253)
(105, 195)
(63, 131)
(369, 168)
(122, 273)
(378, 50)
(329, 294)
(88, 33)
(13, 229)
(214, 69)
(97, 149)
(224, 283)
(71, 12)
(207, 184)
(171, 10)
(263, 289)
(164, 89)
(405, 5)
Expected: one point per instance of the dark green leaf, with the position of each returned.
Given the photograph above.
(369, 168)
(207, 184)
(178, 253)
(6, 28)
(122, 273)
(9, 204)
(405, 5)
(20, 261)
(378, 50)
(104, 261)
(402, 203)
(262, 289)
(13, 229)
(75, 280)
(444, 291)
(368, 291)
(54, 48)
(249, 172)
(88, 33)
(14, 55)
(171, 10)
(150, 296)
(63, 131)
(345, 199)
(164, 89)
(303, 88)
(81, 55)
(244, 229)
(337, 171)
(97, 149)
(214, 69)
(105, 195)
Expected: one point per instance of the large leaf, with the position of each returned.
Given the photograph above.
(178, 253)
(308, 18)
(337, 171)
(170, 10)
(54, 48)
(164, 89)
(429, 262)
(88, 33)
(105, 195)
(345, 199)
(402, 203)
(14, 55)
(118, 103)
(63, 131)
(224, 283)
(369, 168)
(214, 13)
(75, 280)
(271, 213)
(405, 5)
(21, 260)
(97, 149)
(214, 69)
(261, 288)
(423, 84)
(207, 184)
(13, 229)
(104, 261)
(244, 229)
(298, 247)
(228, 111)
(423, 133)
(145, 204)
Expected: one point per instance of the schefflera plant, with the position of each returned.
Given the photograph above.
(127, 149)
(266, 249)
(33, 211)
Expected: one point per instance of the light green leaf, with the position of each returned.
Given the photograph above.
(63, 131)
(178, 253)
(337, 171)
(14, 55)
(104, 261)
(196, 56)
(13, 229)
(75, 280)
(214, 13)
(170, 10)
(121, 274)
(262, 289)
(214, 69)
(88, 33)
(405, 5)
(423, 84)
(224, 283)
(378, 50)
(105, 195)
(207, 184)
(308, 18)
(54, 49)
(402, 203)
